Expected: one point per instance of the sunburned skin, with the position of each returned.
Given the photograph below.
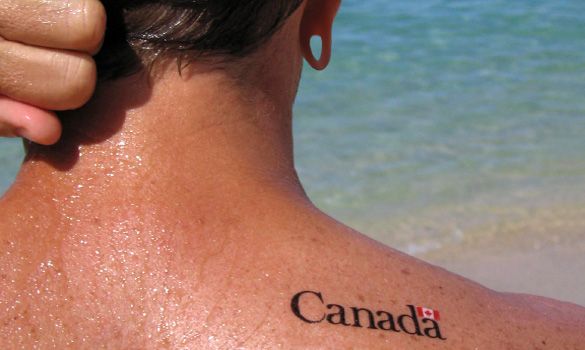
(170, 216)
(169, 282)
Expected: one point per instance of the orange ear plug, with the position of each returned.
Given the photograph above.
(318, 21)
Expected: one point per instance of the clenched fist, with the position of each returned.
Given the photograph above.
(46, 49)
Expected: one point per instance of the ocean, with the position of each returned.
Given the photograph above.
(438, 119)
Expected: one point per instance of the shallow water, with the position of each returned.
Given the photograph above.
(438, 117)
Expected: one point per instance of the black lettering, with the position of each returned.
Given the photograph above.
(337, 317)
(413, 318)
(435, 328)
(335, 314)
(356, 317)
(387, 322)
(294, 304)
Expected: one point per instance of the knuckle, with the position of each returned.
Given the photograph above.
(79, 75)
(88, 25)
(11, 75)
(83, 83)
(8, 10)
(51, 79)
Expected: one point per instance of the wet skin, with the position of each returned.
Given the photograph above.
(121, 238)
(172, 217)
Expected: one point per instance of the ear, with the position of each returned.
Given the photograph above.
(318, 20)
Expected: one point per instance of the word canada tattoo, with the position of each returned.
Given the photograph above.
(418, 321)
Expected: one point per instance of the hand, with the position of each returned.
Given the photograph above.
(46, 63)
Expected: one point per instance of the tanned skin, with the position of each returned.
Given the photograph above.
(170, 216)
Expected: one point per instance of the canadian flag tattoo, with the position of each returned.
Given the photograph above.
(428, 313)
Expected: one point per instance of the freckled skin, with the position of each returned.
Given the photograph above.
(151, 283)
(173, 218)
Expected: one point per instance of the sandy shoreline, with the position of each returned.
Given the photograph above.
(555, 272)
(549, 260)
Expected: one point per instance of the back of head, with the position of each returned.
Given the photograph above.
(143, 31)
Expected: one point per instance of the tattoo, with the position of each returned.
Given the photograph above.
(419, 321)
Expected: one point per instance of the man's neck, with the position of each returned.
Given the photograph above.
(204, 141)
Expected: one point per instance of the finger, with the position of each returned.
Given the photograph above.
(77, 25)
(20, 120)
(48, 78)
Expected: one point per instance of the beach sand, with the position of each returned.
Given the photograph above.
(544, 255)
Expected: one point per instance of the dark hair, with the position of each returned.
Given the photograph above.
(140, 31)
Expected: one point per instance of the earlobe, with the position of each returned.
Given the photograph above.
(318, 21)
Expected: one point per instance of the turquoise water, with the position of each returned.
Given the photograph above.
(436, 116)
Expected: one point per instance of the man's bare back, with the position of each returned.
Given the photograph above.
(286, 276)
(170, 216)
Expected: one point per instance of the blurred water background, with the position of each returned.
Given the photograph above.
(439, 120)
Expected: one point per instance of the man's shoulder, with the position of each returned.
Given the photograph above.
(566, 315)
(376, 295)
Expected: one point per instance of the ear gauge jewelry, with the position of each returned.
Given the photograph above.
(323, 61)
(318, 21)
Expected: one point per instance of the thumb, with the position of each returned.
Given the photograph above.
(21, 120)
